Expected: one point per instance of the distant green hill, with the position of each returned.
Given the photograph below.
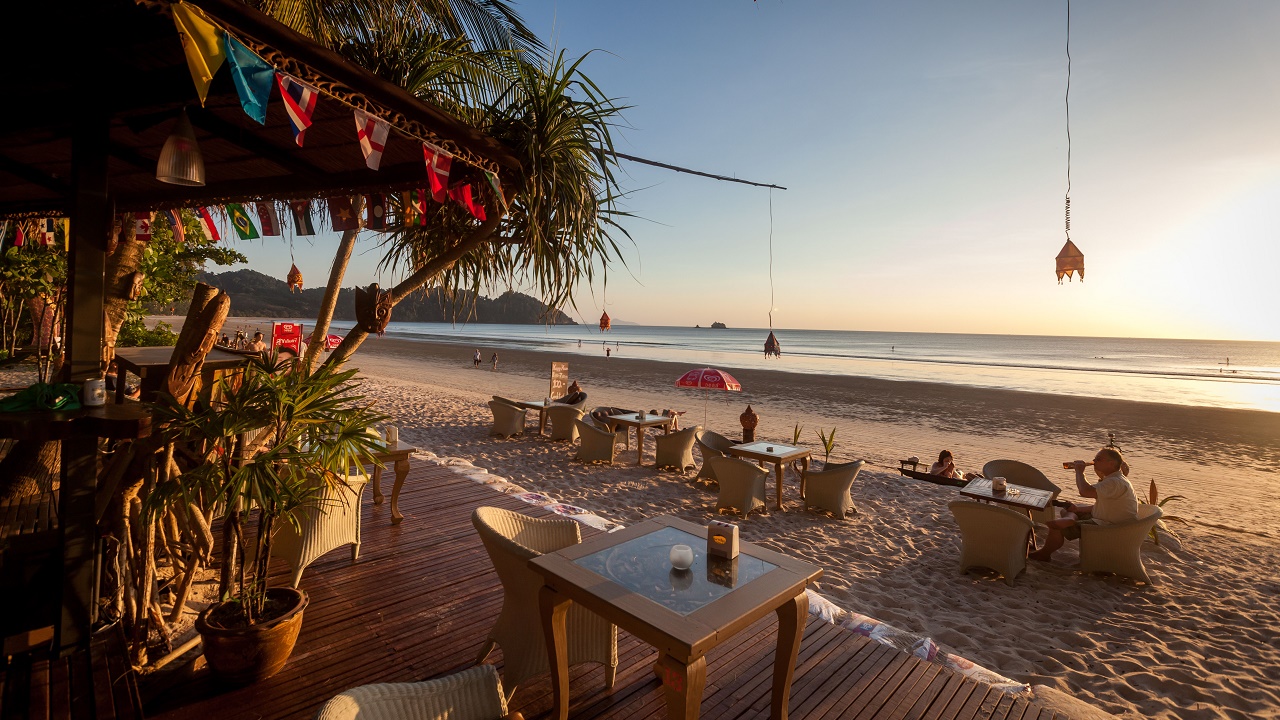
(254, 294)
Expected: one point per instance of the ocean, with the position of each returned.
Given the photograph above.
(1212, 373)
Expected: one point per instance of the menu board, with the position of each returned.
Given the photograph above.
(559, 379)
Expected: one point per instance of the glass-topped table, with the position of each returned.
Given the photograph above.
(626, 577)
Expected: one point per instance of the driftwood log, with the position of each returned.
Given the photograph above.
(200, 331)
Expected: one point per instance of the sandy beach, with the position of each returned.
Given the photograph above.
(1202, 643)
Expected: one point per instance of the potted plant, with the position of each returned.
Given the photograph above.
(269, 439)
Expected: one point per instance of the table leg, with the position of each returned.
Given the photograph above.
(377, 484)
(682, 685)
(542, 421)
(555, 610)
(804, 474)
(402, 470)
(791, 619)
(639, 444)
(777, 471)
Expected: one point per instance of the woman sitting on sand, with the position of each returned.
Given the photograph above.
(945, 467)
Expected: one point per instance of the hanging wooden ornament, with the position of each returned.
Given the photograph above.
(605, 322)
(1070, 260)
(294, 279)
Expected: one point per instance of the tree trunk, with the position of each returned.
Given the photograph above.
(30, 468)
(209, 307)
(122, 263)
(340, 261)
(420, 277)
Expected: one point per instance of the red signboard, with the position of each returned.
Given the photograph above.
(287, 335)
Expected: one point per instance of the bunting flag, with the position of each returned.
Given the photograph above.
(377, 212)
(4, 232)
(373, 138)
(413, 208)
(497, 188)
(301, 212)
(66, 234)
(252, 76)
(299, 101)
(175, 223)
(142, 227)
(48, 233)
(269, 219)
(342, 215)
(438, 162)
(206, 222)
(461, 194)
(19, 239)
(202, 43)
(241, 222)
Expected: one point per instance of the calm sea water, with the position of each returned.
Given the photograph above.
(1187, 372)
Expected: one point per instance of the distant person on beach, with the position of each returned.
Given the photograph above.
(257, 345)
(579, 342)
(607, 350)
(477, 359)
(226, 341)
(1116, 502)
(495, 361)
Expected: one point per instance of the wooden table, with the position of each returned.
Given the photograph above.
(780, 455)
(539, 405)
(151, 365)
(396, 453)
(640, 421)
(1017, 496)
(626, 578)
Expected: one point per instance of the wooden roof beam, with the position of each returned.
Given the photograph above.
(34, 176)
(236, 135)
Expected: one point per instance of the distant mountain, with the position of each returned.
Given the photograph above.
(254, 294)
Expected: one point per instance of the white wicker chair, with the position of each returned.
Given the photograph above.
(473, 694)
(563, 419)
(331, 521)
(1117, 548)
(993, 537)
(512, 539)
(828, 489)
(741, 484)
(1020, 473)
(675, 450)
(508, 419)
(597, 445)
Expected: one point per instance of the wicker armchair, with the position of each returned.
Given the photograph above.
(1117, 548)
(675, 450)
(597, 445)
(512, 540)
(508, 419)
(828, 489)
(1020, 473)
(741, 484)
(993, 537)
(473, 694)
(564, 419)
(711, 444)
(329, 522)
(601, 415)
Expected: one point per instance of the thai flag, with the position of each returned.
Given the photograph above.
(299, 102)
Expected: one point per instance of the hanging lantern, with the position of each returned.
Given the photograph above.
(294, 279)
(1070, 260)
(605, 323)
(772, 346)
(180, 160)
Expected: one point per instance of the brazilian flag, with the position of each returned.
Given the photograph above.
(240, 219)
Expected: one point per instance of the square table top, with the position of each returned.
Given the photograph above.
(760, 451)
(532, 404)
(142, 360)
(1016, 495)
(641, 419)
(626, 577)
(390, 451)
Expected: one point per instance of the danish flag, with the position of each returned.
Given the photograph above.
(438, 162)
(373, 138)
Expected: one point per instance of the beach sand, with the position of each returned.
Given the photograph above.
(1202, 643)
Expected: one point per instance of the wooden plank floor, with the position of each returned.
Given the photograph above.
(423, 596)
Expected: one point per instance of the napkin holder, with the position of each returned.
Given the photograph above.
(722, 539)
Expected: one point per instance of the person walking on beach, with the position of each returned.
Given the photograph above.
(1116, 502)
(477, 359)
(607, 350)
(495, 360)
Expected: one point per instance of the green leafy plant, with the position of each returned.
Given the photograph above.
(135, 333)
(828, 444)
(795, 435)
(1153, 495)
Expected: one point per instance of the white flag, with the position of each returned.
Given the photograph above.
(373, 138)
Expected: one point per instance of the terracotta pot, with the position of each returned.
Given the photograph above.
(247, 655)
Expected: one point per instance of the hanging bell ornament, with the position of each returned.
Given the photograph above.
(1070, 260)
(772, 346)
(294, 279)
(605, 323)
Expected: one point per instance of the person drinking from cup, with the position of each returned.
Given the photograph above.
(1115, 501)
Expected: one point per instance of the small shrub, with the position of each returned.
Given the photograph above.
(134, 333)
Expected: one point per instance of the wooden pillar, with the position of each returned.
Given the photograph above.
(91, 224)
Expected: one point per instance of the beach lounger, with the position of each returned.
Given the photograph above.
(675, 450)
(1020, 473)
(993, 537)
(329, 522)
(563, 422)
(828, 489)
(741, 484)
(508, 419)
(598, 444)
(472, 694)
(512, 539)
(1117, 548)
(711, 444)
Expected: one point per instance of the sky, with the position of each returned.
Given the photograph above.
(923, 147)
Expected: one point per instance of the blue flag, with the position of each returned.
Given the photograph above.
(253, 78)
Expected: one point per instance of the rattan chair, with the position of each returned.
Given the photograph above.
(564, 419)
(675, 450)
(512, 540)
(1020, 473)
(1117, 548)
(329, 521)
(828, 489)
(508, 419)
(597, 445)
(993, 537)
(473, 694)
(601, 415)
(711, 444)
(741, 484)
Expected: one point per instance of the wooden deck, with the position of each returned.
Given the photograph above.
(423, 596)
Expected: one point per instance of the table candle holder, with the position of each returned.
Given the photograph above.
(681, 557)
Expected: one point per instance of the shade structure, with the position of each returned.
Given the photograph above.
(708, 379)
(1070, 260)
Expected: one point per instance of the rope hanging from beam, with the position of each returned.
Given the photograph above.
(677, 168)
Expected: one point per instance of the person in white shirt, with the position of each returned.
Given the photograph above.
(1115, 502)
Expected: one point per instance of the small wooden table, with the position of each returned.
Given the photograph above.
(626, 578)
(779, 455)
(539, 405)
(640, 421)
(1017, 496)
(396, 453)
(151, 365)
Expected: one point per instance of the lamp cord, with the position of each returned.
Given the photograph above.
(1067, 104)
(771, 259)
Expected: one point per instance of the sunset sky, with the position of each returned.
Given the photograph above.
(923, 145)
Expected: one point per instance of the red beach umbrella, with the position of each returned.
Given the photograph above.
(708, 379)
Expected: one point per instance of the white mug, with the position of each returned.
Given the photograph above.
(393, 434)
(94, 393)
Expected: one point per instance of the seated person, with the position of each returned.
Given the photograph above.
(572, 395)
(1116, 502)
(945, 467)
(257, 345)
